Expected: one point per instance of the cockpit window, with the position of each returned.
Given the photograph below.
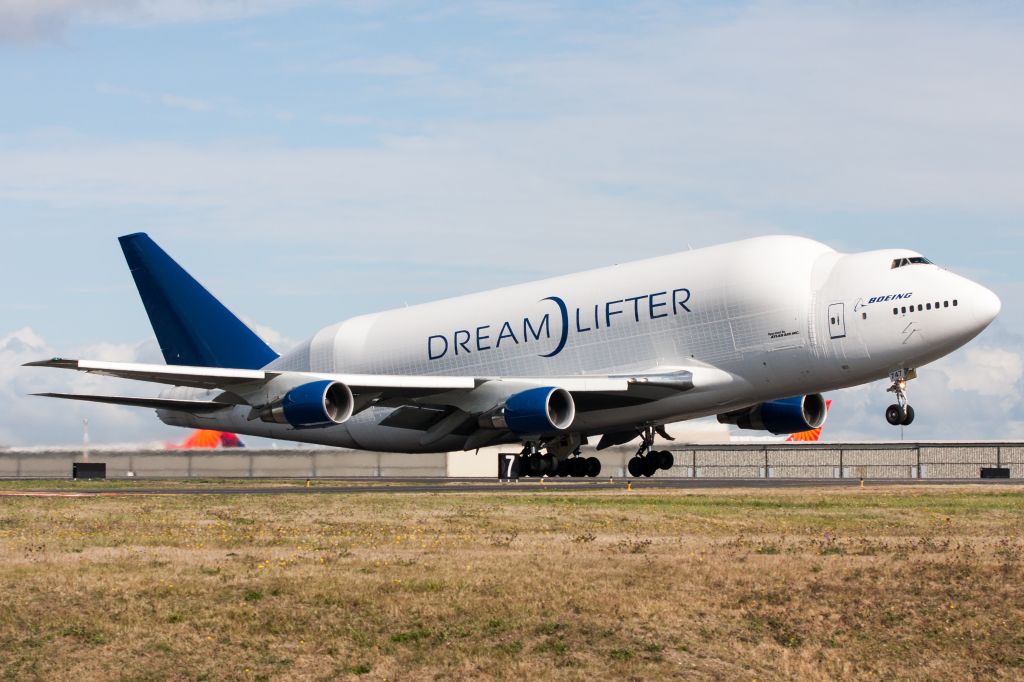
(910, 260)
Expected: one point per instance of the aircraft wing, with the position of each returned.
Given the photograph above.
(437, 405)
(391, 385)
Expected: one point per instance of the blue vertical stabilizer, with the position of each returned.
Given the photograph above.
(192, 327)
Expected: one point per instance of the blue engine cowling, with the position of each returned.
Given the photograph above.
(318, 403)
(539, 411)
(789, 415)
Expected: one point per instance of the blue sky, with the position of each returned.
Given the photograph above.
(310, 161)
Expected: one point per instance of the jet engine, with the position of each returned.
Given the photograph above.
(536, 411)
(315, 404)
(790, 415)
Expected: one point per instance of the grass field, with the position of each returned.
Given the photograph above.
(921, 583)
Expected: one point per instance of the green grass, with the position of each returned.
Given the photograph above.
(893, 583)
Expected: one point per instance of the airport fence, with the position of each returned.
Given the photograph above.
(933, 460)
(849, 460)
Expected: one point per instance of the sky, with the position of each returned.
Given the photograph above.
(310, 161)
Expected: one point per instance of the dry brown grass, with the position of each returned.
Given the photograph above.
(922, 583)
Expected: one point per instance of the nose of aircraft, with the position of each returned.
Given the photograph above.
(985, 305)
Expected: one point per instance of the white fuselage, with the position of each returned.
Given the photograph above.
(783, 316)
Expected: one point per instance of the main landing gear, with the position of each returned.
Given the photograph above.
(647, 460)
(537, 465)
(900, 414)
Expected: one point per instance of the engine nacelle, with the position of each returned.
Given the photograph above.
(318, 403)
(790, 415)
(536, 411)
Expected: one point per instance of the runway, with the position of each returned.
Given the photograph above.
(524, 486)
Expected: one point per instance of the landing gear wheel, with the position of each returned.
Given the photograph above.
(909, 418)
(593, 467)
(650, 466)
(665, 460)
(894, 415)
(900, 414)
(636, 467)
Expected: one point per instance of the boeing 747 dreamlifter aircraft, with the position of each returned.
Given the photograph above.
(752, 331)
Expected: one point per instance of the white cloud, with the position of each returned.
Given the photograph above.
(681, 135)
(973, 394)
(28, 420)
(383, 65)
(167, 99)
(273, 338)
(988, 372)
(405, 193)
(188, 103)
(27, 21)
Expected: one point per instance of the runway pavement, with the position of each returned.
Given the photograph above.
(524, 486)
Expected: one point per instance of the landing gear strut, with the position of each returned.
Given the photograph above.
(900, 414)
(647, 460)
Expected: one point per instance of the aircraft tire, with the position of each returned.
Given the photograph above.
(636, 467)
(666, 460)
(650, 465)
(593, 467)
(576, 468)
(549, 465)
(894, 415)
(909, 418)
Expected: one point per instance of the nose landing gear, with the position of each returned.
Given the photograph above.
(900, 414)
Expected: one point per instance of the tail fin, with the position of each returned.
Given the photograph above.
(192, 327)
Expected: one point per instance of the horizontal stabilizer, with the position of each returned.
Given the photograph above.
(195, 406)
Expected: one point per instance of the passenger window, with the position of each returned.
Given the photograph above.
(945, 304)
(904, 310)
(863, 316)
(895, 311)
(920, 308)
(955, 302)
(929, 306)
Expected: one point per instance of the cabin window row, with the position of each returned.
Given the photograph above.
(921, 307)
